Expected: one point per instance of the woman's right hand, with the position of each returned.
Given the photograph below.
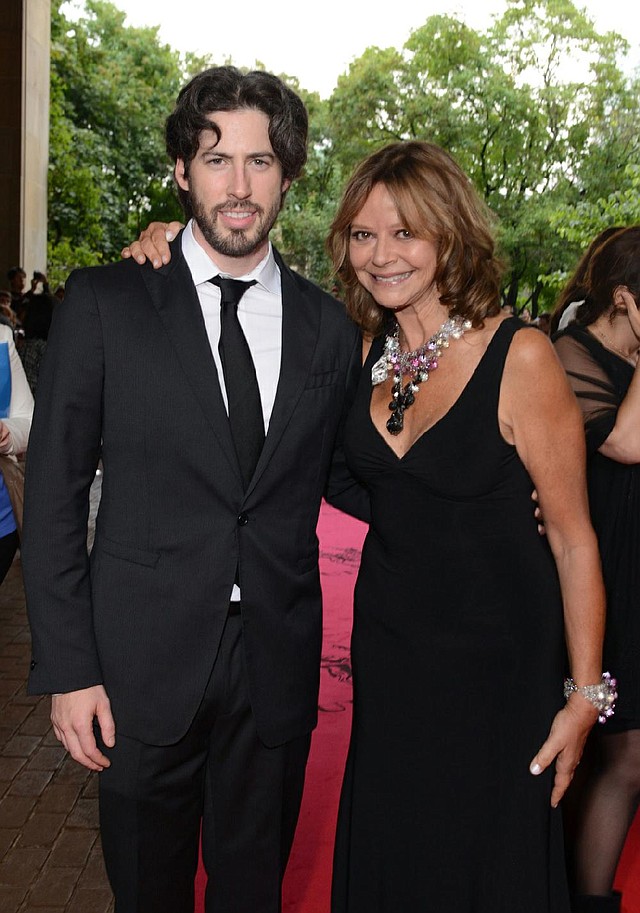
(565, 744)
(153, 243)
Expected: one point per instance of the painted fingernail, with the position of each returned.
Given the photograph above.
(169, 235)
(535, 769)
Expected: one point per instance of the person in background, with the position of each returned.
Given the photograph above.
(574, 291)
(19, 298)
(39, 284)
(17, 284)
(543, 322)
(7, 315)
(35, 326)
(599, 351)
(184, 656)
(16, 410)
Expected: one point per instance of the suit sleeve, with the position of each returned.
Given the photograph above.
(63, 454)
(343, 490)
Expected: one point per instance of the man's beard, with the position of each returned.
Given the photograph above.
(234, 242)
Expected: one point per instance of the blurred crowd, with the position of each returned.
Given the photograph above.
(28, 313)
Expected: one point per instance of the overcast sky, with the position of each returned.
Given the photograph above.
(316, 41)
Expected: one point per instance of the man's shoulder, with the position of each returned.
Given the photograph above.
(105, 273)
(123, 280)
(113, 290)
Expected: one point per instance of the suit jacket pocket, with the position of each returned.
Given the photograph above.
(128, 552)
(321, 379)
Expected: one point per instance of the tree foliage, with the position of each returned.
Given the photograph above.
(111, 89)
(526, 107)
(537, 110)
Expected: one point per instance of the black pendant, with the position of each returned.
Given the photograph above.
(395, 424)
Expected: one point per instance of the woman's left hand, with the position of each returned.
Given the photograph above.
(565, 744)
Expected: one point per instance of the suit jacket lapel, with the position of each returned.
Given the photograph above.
(300, 327)
(175, 298)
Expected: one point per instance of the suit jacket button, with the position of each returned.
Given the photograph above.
(33, 664)
(243, 519)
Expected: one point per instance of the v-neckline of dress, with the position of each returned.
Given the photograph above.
(400, 458)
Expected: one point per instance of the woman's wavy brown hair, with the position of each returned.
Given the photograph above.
(614, 264)
(575, 288)
(437, 202)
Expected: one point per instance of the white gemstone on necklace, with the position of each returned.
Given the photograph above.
(393, 359)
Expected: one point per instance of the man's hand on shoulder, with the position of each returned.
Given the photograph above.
(72, 715)
(153, 243)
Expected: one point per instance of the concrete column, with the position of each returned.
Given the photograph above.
(25, 28)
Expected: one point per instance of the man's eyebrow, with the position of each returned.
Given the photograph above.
(213, 150)
(207, 150)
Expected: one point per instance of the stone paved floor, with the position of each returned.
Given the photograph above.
(50, 859)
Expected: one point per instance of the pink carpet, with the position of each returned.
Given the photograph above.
(628, 877)
(308, 880)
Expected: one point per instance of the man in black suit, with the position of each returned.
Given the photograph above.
(183, 654)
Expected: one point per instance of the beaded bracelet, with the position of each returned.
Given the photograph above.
(603, 696)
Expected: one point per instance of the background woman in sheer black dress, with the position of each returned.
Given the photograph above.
(599, 351)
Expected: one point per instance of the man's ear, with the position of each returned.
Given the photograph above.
(180, 173)
(286, 183)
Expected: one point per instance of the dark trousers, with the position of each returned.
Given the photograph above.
(246, 797)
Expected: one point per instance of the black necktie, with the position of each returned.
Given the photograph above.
(241, 383)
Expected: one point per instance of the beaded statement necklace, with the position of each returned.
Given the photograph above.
(417, 365)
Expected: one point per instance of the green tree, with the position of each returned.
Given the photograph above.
(111, 89)
(303, 224)
(536, 109)
(526, 107)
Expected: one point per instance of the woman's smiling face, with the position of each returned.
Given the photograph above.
(397, 268)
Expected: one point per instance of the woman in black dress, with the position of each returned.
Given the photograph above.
(600, 354)
(458, 649)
